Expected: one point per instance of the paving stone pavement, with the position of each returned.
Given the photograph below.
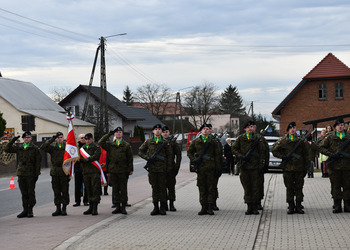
(229, 228)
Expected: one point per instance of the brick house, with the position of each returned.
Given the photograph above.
(323, 92)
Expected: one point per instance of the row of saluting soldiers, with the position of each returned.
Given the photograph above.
(163, 157)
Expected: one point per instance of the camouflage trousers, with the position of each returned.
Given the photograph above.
(206, 186)
(294, 183)
(92, 183)
(119, 184)
(60, 187)
(158, 183)
(340, 184)
(170, 185)
(27, 186)
(250, 182)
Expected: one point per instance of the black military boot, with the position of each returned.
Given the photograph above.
(30, 211)
(117, 209)
(89, 211)
(171, 206)
(24, 213)
(347, 206)
(155, 209)
(166, 206)
(249, 209)
(215, 207)
(255, 208)
(162, 208)
(94, 208)
(210, 209)
(298, 208)
(58, 210)
(122, 208)
(64, 210)
(337, 207)
(204, 210)
(291, 207)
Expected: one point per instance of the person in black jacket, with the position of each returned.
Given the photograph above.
(230, 161)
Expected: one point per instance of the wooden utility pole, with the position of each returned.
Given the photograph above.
(103, 121)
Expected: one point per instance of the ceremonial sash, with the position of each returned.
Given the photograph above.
(85, 155)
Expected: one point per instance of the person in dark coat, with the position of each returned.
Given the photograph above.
(230, 160)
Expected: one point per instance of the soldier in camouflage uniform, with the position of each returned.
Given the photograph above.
(295, 169)
(251, 166)
(158, 168)
(339, 165)
(119, 168)
(28, 170)
(264, 169)
(173, 170)
(92, 175)
(206, 169)
(60, 181)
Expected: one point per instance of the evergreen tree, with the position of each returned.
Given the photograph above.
(142, 134)
(2, 125)
(128, 99)
(231, 102)
(136, 131)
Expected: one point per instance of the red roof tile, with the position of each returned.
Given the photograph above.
(330, 66)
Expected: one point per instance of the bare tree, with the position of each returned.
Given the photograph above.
(57, 94)
(154, 97)
(201, 102)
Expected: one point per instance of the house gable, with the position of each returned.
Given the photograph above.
(305, 102)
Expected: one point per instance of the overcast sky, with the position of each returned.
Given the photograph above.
(264, 48)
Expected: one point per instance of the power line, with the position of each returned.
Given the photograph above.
(55, 27)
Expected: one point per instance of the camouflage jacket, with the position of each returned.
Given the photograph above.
(120, 157)
(211, 158)
(242, 145)
(29, 159)
(284, 146)
(57, 155)
(330, 145)
(164, 158)
(95, 152)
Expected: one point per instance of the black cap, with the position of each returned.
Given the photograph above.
(205, 125)
(291, 125)
(157, 126)
(210, 126)
(338, 121)
(26, 134)
(165, 128)
(248, 123)
(88, 136)
(59, 134)
(118, 129)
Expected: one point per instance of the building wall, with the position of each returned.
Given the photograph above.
(305, 104)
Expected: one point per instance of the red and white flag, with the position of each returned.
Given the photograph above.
(85, 155)
(71, 155)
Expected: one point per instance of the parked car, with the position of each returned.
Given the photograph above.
(274, 162)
